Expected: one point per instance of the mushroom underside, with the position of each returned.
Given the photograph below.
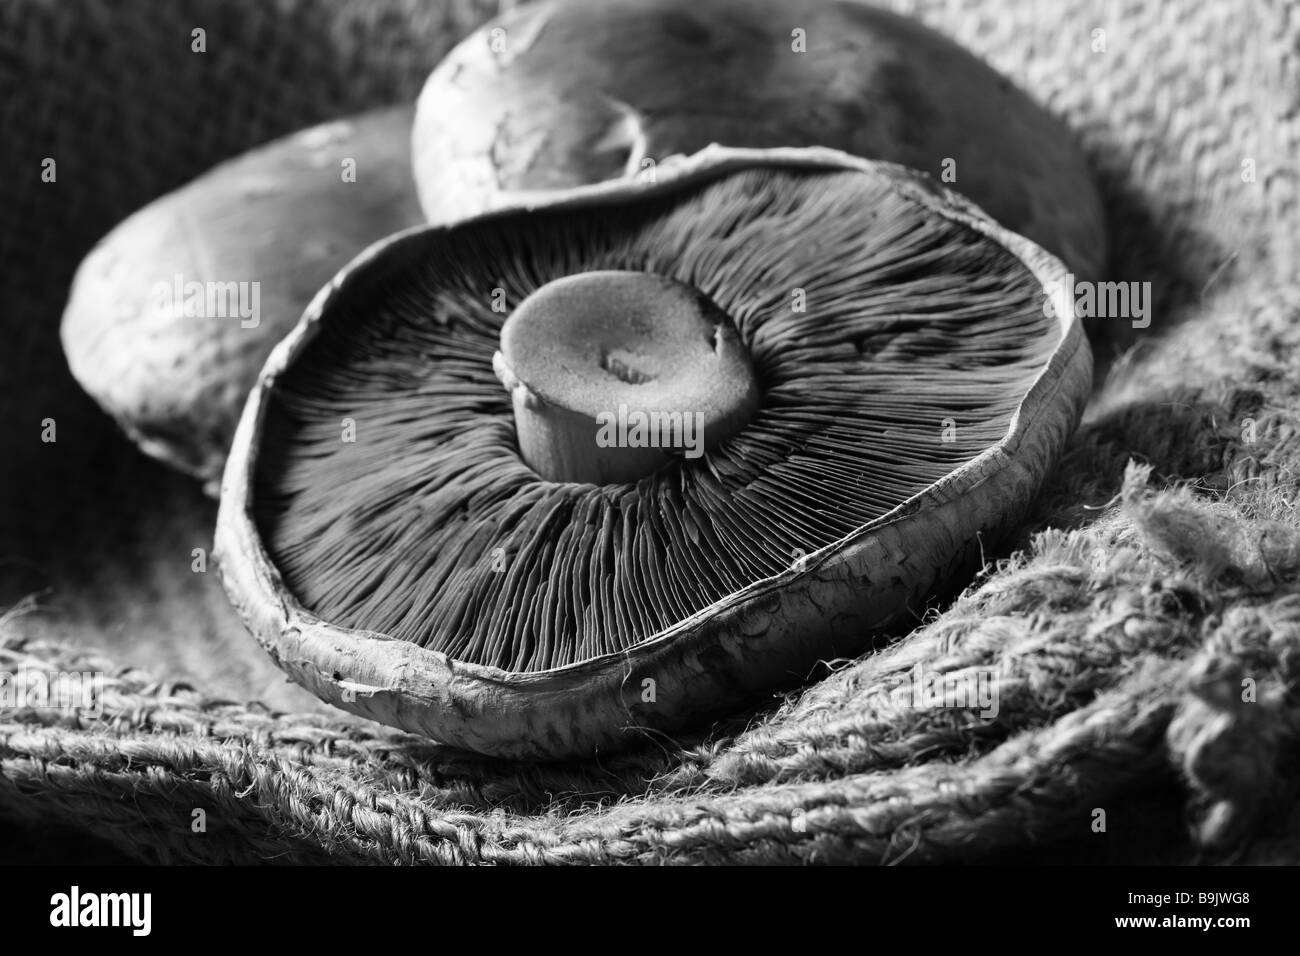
(891, 346)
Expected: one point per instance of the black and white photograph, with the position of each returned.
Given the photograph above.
(727, 433)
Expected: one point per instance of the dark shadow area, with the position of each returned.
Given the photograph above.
(1144, 828)
(24, 845)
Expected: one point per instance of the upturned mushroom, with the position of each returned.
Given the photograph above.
(561, 93)
(541, 481)
(173, 313)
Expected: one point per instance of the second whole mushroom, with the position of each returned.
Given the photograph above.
(556, 94)
(173, 313)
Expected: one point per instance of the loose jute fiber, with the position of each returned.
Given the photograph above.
(1144, 623)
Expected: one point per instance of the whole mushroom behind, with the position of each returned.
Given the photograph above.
(173, 313)
(562, 93)
(891, 392)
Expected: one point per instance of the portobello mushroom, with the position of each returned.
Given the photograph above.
(172, 315)
(890, 383)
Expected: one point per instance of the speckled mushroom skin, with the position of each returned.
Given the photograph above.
(562, 93)
(767, 635)
(282, 216)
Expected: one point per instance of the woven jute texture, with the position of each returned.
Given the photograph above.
(1144, 622)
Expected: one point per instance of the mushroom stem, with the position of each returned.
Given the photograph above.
(613, 374)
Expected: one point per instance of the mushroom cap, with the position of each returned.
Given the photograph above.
(562, 93)
(261, 232)
(1021, 371)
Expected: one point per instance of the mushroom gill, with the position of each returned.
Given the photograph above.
(890, 345)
